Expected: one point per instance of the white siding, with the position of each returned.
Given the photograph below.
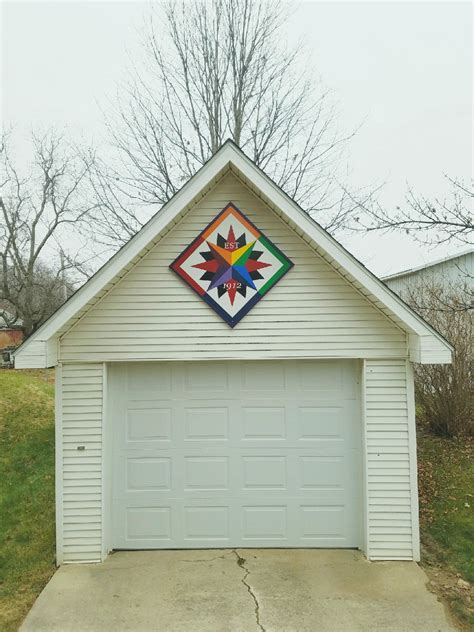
(81, 508)
(391, 482)
(37, 354)
(152, 315)
(428, 350)
(33, 356)
(454, 271)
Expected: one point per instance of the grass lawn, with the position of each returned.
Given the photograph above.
(446, 483)
(26, 491)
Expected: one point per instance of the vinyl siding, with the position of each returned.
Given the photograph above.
(81, 507)
(152, 315)
(34, 356)
(455, 271)
(427, 350)
(392, 530)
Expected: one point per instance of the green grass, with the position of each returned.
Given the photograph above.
(446, 483)
(26, 491)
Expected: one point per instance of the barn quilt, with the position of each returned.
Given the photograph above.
(231, 265)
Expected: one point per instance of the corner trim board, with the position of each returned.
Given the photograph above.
(58, 450)
(365, 509)
(411, 411)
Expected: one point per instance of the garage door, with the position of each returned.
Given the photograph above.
(235, 454)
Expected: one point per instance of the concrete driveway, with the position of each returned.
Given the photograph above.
(241, 590)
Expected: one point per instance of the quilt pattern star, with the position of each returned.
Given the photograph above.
(231, 265)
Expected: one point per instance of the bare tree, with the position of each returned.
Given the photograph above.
(38, 204)
(429, 221)
(215, 70)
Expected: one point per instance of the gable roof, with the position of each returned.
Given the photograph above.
(426, 344)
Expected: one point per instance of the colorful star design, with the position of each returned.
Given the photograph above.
(231, 265)
(231, 274)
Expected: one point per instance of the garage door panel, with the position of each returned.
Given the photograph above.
(266, 472)
(205, 523)
(328, 378)
(148, 424)
(250, 423)
(142, 381)
(323, 522)
(321, 422)
(148, 523)
(141, 524)
(204, 378)
(143, 473)
(150, 473)
(206, 423)
(321, 472)
(235, 454)
(259, 378)
(200, 523)
(265, 522)
(182, 473)
(263, 422)
(205, 472)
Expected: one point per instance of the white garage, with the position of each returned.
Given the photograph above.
(233, 377)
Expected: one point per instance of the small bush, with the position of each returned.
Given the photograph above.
(444, 391)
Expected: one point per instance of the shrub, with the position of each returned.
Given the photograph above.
(444, 391)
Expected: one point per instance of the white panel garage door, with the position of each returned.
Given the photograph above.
(235, 454)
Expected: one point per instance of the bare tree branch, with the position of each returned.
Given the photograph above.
(429, 221)
(215, 70)
(34, 208)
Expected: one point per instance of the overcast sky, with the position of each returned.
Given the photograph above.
(404, 70)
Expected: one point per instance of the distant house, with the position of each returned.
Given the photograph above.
(454, 270)
(10, 335)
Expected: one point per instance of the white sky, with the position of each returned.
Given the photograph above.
(404, 70)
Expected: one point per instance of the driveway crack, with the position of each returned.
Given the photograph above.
(241, 562)
(206, 559)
